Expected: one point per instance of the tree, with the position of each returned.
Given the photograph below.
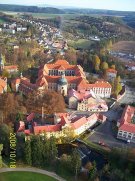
(46, 152)
(9, 88)
(113, 66)
(109, 46)
(53, 149)
(36, 147)
(3, 58)
(104, 66)
(50, 102)
(27, 153)
(93, 172)
(5, 73)
(69, 134)
(71, 56)
(75, 162)
(1, 148)
(96, 63)
(4, 137)
(116, 86)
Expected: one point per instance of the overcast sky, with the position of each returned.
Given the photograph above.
(128, 5)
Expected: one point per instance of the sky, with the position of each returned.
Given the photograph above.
(123, 5)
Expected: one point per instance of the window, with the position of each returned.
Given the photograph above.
(129, 135)
(125, 134)
(120, 133)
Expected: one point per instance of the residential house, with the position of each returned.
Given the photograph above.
(3, 85)
(126, 125)
(59, 124)
(86, 101)
(111, 74)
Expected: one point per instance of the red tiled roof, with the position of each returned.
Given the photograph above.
(112, 71)
(126, 118)
(78, 123)
(79, 95)
(47, 128)
(27, 131)
(30, 117)
(98, 84)
(3, 84)
(70, 79)
(11, 67)
(61, 62)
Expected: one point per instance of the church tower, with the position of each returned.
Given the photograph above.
(63, 85)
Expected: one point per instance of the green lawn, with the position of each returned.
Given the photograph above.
(24, 176)
(81, 43)
(1, 20)
(47, 15)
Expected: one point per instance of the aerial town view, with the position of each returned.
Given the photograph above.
(67, 90)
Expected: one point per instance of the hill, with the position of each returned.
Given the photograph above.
(32, 9)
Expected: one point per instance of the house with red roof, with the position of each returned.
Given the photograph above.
(100, 88)
(23, 85)
(8, 68)
(86, 101)
(3, 85)
(111, 73)
(60, 122)
(11, 68)
(126, 124)
(61, 77)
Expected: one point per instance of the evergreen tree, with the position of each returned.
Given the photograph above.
(27, 153)
(9, 88)
(93, 172)
(4, 137)
(1, 148)
(53, 148)
(75, 162)
(36, 147)
(46, 153)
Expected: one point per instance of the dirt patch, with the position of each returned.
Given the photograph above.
(124, 47)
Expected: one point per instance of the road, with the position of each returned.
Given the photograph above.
(104, 132)
(35, 170)
(129, 96)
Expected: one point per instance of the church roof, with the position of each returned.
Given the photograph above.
(62, 81)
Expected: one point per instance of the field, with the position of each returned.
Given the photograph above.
(24, 176)
(124, 46)
(1, 20)
(81, 43)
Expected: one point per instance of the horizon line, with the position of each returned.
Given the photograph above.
(64, 7)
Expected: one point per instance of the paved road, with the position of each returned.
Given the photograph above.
(35, 170)
(104, 134)
(129, 96)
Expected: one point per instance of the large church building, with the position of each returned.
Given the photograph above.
(61, 77)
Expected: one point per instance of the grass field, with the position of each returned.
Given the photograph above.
(1, 20)
(24, 176)
(40, 15)
(81, 43)
(124, 46)
(46, 15)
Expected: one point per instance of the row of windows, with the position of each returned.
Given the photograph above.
(59, 72)
(98, 88)
(126, 134)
